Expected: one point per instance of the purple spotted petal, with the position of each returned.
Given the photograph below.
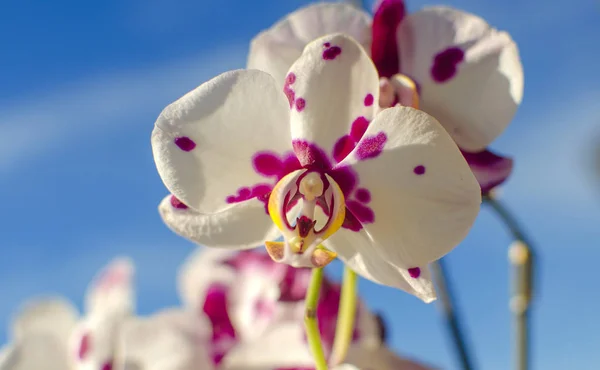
(489, 169)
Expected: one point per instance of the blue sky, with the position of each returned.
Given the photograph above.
(82, 84)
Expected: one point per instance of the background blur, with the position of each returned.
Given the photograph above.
(81, 84)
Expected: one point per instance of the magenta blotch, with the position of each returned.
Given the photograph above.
(359, 127)
(489, 169)
(215, 308)
(445, 64)
(419, 170)
(363, 213)
(414, 272)
(84, 346)
(300, 104)
(363, 195)
(332, 52)
(176, 203)
(185, 143)
(107, 366)
(384, 48)
(343, 147)
(287, 89)
(371, 147)
(369, 100)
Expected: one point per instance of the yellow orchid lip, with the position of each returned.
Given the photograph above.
(301, 246)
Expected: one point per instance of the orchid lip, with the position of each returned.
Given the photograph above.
(301, 246)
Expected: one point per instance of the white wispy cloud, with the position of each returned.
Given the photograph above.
(34, 125)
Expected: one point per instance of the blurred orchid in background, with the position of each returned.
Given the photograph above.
(386, 192)
(49, 333)
(449, 63)
(256, 308)
(242, 311)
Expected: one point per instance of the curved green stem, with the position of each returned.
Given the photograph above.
(452, 319)
(346, 317)
(310, 319)
(522, 258)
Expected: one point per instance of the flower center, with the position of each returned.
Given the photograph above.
(320, 199)
(398, 89)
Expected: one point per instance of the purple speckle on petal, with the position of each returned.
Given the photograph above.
(176, 203)
(363, 195)
(107, 366)
(343, 147)
(414, 272)
(309, 154)
(287, 89)
(84, 346)
(332, 52)
(369, 100)
(371, 147)
(445, 64)
(359, 127)
(326, 44)
(300, 104)
(290, 79)
(363, 213)
(267, 163)
(185, 143)
(419, 170)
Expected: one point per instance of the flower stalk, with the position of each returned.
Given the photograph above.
(346, 317)
(447, 303)
(522, 257)
(310, 319)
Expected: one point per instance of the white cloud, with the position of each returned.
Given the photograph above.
(35, 125)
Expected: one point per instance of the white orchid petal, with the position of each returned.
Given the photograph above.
(53, 317)
(112, 291)
(276, 49)
(224, 142)
(335, 88)
(171, 340)
(253, 305)
(35, 352)
(92, 342)
(203, 268)
(420, 197)
(470, 75)
(284, 346)
(350, 247)
(244, 225)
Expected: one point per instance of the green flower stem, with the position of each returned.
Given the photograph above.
(310, 319)
(447, 305)
(346, 317)
(522, 257)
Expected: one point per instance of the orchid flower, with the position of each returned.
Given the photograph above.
(172, 339)
(449, 63)
(246, 295)
(256, 307)
(48, 334)
(385, 191)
